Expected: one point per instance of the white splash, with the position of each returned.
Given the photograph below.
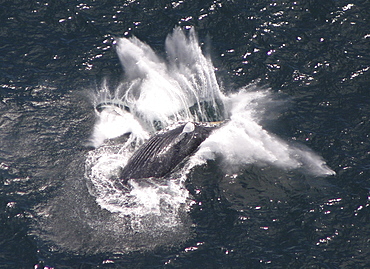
(114, 121)
(159, 93)
(244, 141)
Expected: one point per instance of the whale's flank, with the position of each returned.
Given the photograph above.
(164, 151)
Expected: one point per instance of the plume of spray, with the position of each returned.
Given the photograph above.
(157, 93)
(167, 91)
(243, 140)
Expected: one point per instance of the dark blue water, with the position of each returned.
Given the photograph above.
(314, 53)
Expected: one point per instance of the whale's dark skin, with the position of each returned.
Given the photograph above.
(163, 152)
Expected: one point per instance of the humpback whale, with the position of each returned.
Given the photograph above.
(164, 151)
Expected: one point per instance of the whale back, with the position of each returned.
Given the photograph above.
(164, 151)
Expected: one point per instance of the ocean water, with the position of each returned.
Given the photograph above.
(283, 183)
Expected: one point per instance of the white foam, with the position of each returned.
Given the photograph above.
(113, 122)
(147, 198)
(244, 141)
(151, 92)
(158, 90)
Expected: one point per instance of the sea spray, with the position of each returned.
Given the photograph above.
(243, 140)
(166, 91)
(157, 93)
